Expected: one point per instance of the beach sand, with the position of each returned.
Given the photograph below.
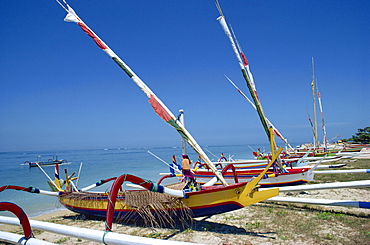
(250, 225)
(237, 227)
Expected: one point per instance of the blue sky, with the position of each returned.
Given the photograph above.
(60, 91)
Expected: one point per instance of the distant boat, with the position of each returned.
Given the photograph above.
(51, 161)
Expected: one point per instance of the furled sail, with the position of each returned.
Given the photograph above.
(325, 141)
(244, 65)
(315, 135)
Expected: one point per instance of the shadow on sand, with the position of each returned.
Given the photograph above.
(202, 225)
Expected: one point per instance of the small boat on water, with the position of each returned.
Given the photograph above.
(51, 161)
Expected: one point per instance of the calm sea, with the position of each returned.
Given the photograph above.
(97, 164)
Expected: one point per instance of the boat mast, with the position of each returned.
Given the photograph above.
(311, 123)
(322, 119)
(244, 65)
(183, 141)
(315, 138)
(158, 106)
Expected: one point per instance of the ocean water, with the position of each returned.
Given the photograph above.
(97, 164)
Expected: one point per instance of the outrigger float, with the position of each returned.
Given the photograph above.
(81, 233)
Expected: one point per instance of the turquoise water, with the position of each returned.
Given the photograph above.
(97, 164)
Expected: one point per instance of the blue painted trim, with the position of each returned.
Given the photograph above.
(364, 205)
(197, 212)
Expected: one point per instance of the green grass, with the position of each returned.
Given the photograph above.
(61, 240)
(315, 223)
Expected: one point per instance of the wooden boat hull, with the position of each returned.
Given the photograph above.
(294, 177)
(209, 201)
(259, 164)
(34, 164)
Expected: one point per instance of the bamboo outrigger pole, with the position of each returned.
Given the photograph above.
(158, 106)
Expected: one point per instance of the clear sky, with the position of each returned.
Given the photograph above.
(60, 91)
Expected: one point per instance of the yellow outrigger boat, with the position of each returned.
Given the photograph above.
(158, 204)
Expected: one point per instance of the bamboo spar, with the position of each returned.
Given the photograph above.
(159, 107)
(315, 136)
(325, 141)
(268, 121)
(243, 63)
(246, 74)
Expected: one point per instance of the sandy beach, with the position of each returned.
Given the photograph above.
(262, 223)
(237, 227)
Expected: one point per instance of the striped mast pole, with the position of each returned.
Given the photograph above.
(183, 141)
(322, 119)
(276, 131)
(158, 106)
(311, 123)
(316, 144)
(244, 66)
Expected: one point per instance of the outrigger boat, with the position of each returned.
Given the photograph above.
(293, 176)
(270, 179)
(234, 173)
(302, 161)
(344, 151)
(270, 129)
(296, 176)
(158, 204)
(51, 161)
(248, 77)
